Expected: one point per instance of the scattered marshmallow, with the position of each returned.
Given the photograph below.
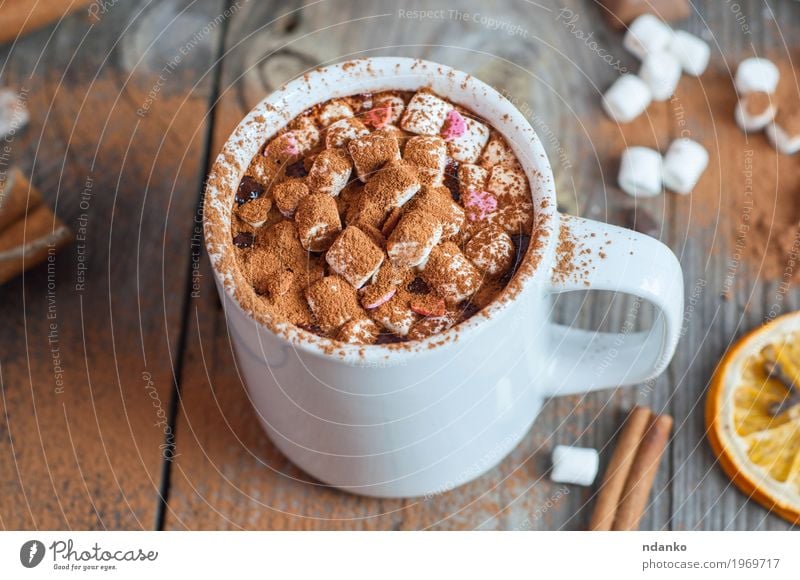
(373, 151)
(640, 172)
(358, 331)
(332, 301)
(13, 113)
(471, 178)
(784, 132)
(306, 133)
(318, 222)
(340, 133)
(392, 186)
(683, 165)
(497, 152)
(425, 114)
(255, 212)
(413, 239)
(647, 34)
(467, 147)
(429, 156)
(508, 185)
(491, 250)
(691, 51)
(756, 74)
(437, 202)
(333, 111)
(395, 316)
(354, 256)
(577, 465)
(330, 172)
(450, 274)
(513, 219)
(661, 71)
(287, 194)
(431, 325)
(627, 98)
(755, 111)
(479, 205)
(386, 110)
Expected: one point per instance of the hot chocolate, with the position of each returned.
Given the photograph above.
(382, 218)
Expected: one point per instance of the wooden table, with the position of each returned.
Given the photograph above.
(121, 404)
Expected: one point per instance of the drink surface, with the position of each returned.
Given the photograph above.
(382, 218)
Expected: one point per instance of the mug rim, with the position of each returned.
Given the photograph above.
(350, 77)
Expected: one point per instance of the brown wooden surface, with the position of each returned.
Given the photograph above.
(91, 457)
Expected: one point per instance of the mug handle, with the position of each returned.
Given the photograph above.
(593, 255)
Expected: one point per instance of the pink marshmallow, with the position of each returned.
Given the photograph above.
(479, 205)
(454, 126)
(379, 116)
(381, 300)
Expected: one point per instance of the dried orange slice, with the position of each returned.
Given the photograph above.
(753, 415)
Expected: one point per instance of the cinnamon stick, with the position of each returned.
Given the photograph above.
(23, 16)
(643, 472)
(619, 468)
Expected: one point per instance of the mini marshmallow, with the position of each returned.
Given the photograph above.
(661, 71)
(784, 132)
(340, 133)
(756, 74)
(683, 165)
(508, 185)
(691, 51)
(647, 34)
(471, 178)
(413, 239)
(333, 111)
(451, 275)
(513, 219)
(425, 114)
(332, 301)
(754, 111)
(330, 172)
(431, 325)
(640, 172)
(497, 152)
(358, 331)
(393, 186)
(577, 465)
(306, 133)
(429, 156)
(627, 98)
(255, 212)
(437, 202)
(395, 316)
(318, 223)
(373, 151)
(386, 110)
(354, 256)
(492, 250)
(467, 147)
(287, 194)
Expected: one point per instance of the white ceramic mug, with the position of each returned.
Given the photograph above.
(388, 422)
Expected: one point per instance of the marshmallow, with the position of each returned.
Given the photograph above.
(683, 165)
(691, 51)
(466, 147)
(288, 194)
(340, 133)
(513, 219)
(450, 274)
(413, 239)
(333, 302)
(508, 185)
(784, 132)
(576, 465)
(754, 111)
(330, 172)
(661, 71)
(358, 331)
(640, 172)
(373, 151)
(491, 250)
(497, 152)
(425, 114)
(354, 256)
(431, 325)
(429, 156)
(318, 223)
(756, 74)
(255, 212)
(395, 316)
(305, 133)
(647, 34)
(627, 98)
(437, 202)
(471, 178)
(392, 186)
(333, 111)
(479, 205)
(13, 113)
(386, 110)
